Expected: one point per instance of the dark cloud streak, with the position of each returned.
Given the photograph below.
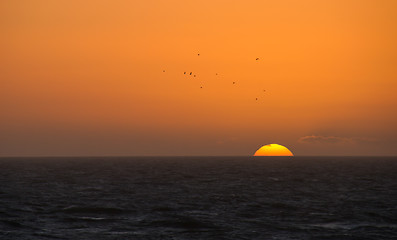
(313, 139)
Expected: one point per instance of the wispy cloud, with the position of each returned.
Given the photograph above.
(335, 140)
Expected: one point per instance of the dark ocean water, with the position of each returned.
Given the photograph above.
(198, 198)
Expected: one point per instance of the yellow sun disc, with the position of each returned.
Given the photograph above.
(273, 150)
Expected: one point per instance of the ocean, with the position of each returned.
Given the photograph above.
(198, 198)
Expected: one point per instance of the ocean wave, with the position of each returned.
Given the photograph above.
(94, 210)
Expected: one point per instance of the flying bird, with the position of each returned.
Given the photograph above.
(184, 72)
(190, 73)
(257, 59)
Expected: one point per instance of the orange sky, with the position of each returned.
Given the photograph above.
(86, 77)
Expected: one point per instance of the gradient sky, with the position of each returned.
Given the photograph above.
(86, 77)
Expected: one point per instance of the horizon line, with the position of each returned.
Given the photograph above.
(143, 156)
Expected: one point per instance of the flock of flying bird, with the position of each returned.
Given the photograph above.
(215, 74)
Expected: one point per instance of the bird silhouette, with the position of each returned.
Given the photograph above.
(190, 73)
(184, 72)
(198, 54)
(257, 59)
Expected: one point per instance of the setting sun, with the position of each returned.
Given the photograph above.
(273, 150)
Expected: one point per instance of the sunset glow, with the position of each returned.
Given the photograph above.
(197, 77)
